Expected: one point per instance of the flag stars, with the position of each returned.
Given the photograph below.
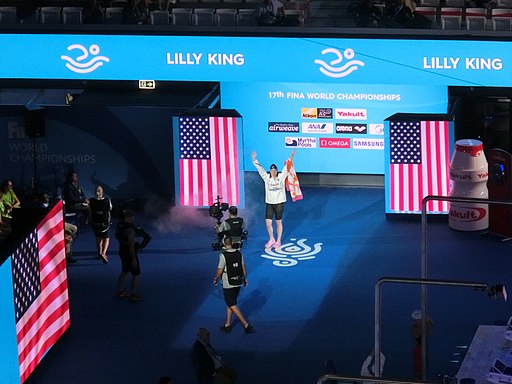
(195, 143)
(406, 142)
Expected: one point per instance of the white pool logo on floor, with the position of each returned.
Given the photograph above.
(289, 254)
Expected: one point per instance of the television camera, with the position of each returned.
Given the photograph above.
(216, 211)
(142, 238)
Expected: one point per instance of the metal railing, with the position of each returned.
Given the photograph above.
(424, 260)
(359, 379)
(424, 281)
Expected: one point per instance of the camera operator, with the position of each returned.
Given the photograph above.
(232, 227)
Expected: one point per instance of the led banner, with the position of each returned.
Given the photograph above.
(417, 161)
(335, 129)
(207, 158)
(287, 59)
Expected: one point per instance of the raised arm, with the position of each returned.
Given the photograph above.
(258, 166)
(254, 160)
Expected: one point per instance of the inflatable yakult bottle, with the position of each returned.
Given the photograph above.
(469, 173)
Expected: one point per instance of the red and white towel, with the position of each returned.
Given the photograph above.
(292, 181)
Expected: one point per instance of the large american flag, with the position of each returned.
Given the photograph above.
(419, 161)
(208, 160)
(41, 304)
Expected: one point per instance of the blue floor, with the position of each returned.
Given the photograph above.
(310, 301)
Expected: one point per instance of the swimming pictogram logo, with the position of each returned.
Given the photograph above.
(88, 61)
(336, 68)
(289, 254)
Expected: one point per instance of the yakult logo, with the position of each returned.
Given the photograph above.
(351, 114)
(467, 214)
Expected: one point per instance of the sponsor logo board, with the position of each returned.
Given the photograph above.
(300, 142)
(377, 144)
(324, 113)
(308, 113)
(334, 142)
(316, 113)
(376, 129)
(283, 127)
(351, 128)
(318, 128)
(351, 113)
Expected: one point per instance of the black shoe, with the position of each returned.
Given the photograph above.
(249, 329)
(226, 328)
(70, 260)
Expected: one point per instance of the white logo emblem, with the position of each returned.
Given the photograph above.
(376, 129)
(289, 254)
(79, 65)
(346, 69)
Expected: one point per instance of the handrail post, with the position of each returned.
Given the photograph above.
(424, 275)
(377, 367)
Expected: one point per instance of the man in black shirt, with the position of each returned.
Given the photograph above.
(232, 227)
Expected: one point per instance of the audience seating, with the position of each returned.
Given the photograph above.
(49, 15)
(452, 15)
(429, 3)
(203, 17)
(476, 19)
(159, 17)
(428, 12)
(503, 3)
(247, 17)
(299, 5)
(8, 15)
(294, 16)
(72, 15)
(451, 18)
(501, 19)
(181, 16)
(225, 17)
(114, 15)
(455, 3)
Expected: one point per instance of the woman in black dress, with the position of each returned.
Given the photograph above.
(101, 207)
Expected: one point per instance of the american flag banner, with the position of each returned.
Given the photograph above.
(41, 305)
(419, 165)
(208, 160)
